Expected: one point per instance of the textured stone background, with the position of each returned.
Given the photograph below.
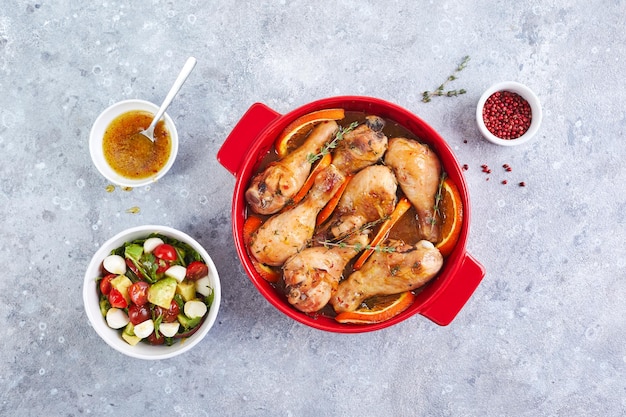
(544, 332)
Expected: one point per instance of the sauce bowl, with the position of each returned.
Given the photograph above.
(97, 134)
(254, 135)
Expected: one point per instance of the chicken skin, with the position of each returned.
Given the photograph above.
(407, 268)
(286, 233)
(369, 196)
(362, 147)
(271, 190)
(312, 275)
(418, 171)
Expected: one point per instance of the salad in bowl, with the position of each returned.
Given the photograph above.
(151, 292)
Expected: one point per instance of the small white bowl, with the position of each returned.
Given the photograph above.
(97, 134)
(528, 95)
(113, 337)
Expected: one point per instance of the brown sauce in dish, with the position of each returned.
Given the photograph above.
(136, 158)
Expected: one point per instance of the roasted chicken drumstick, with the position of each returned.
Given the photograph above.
(312, 276)
(418, 171)
(407, 268)
(271, 190)
(286, 233)
(362, 147)
(369, 196)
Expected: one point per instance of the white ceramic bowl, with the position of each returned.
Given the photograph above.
(97, 134)
(528, 95)
(113, 337)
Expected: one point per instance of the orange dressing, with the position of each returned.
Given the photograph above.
(136, 158)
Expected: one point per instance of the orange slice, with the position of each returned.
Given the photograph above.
(282, 143)
(328, 209)
(308, 184)
(250, 225)
(266, 272)
(381, 308)
(451, 214)
(401, 208)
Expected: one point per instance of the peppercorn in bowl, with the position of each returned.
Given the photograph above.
(151, 292)
(508, 114)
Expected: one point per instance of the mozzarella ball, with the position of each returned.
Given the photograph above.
(144, 329)
(116, 318)
(115, 264)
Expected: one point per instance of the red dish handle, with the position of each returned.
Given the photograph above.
(234, 149)
(444, 308)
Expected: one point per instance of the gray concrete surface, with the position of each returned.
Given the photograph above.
(543, 334)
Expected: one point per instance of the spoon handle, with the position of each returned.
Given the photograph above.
(180, 80)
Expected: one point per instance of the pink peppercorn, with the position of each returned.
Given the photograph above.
(507, 115)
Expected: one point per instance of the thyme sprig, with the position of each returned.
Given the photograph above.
(358, 247)
(340, 241)
(328, 146)
(440, 91)
(438, 198)
(346, 236)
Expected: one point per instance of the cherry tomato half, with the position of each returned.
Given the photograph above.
(162, 266)
(138, 293)
(197, 270)
(166, 252)
(116, 299)
(138, 314)
(153, 340)
(170, 315)
(105, 284)
(133, 268)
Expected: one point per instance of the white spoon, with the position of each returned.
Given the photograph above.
(180, 80)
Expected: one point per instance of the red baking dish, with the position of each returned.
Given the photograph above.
(254, 136)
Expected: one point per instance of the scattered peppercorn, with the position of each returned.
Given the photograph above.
(465, 167)
(485, 168)
(507, 115)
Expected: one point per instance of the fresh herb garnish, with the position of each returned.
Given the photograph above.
(208, 300)
(340, 241)
(428, 95)
(438, 198)
(311, 158)
(157, 323)
(358, 247)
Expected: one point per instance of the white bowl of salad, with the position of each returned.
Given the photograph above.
(151, 292)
